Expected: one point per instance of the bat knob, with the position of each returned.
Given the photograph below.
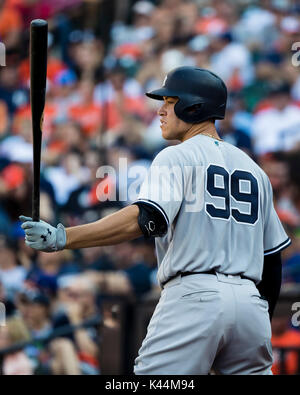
(39, 23)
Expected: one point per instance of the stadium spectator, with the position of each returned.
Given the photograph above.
(12, 275)
(17, 363)
(283, 115)
(284, 336)
(57, 356)
(10, 25)
(76, 304)
(231, 135)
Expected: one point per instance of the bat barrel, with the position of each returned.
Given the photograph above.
(38, 55)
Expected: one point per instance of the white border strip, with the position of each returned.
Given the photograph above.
(281, 247)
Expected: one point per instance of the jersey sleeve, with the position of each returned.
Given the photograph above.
(163, 186)
(275, 237)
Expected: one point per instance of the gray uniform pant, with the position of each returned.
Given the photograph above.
(204, 322)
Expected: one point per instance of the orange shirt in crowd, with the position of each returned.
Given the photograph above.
(135, 105)
(207, 25)
(58, 146)
(131, 106)
(291, 338)
(14, 3)
(54, 67)
(89, 117)
(4, 117)
(10, 21)
(50, 113)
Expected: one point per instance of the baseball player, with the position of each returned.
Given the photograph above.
(218, 240)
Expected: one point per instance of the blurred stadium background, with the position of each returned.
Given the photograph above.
(103, 56)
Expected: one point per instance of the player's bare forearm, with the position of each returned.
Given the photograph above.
(113, 229)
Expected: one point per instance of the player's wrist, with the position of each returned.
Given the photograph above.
(61, 237)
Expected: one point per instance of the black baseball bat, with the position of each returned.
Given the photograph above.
(38, 72)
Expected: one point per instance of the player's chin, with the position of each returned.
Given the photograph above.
(165, 133)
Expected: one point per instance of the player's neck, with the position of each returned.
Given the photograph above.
(206, 128)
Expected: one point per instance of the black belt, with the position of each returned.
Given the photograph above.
(183, 274)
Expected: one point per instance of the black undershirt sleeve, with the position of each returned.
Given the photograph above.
(269, 287)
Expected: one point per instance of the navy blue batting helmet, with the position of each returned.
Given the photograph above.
(202, 94)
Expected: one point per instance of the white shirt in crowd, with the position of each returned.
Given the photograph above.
(274, 130)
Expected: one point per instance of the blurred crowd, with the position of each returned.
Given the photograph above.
(102, 56)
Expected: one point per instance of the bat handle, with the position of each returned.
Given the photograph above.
(35, 216)
(36, 181)
(36, 211)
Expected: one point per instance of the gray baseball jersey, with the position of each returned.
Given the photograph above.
(218, 204)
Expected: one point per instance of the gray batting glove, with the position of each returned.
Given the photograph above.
(42, 236)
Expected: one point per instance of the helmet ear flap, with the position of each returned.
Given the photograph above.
(189, 114)
(194, 109)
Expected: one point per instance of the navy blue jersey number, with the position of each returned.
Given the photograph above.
(218, 191)
(221, 189)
